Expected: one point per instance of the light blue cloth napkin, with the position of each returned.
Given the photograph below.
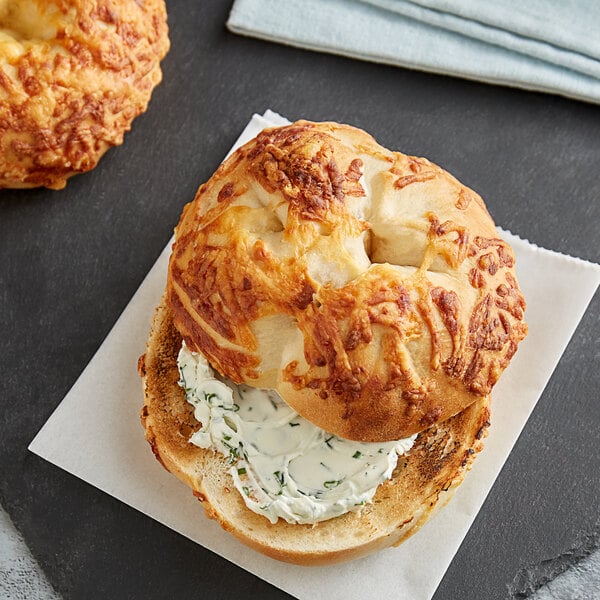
(541, 45)
(564, 33)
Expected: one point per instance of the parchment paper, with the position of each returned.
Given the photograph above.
(113, 455)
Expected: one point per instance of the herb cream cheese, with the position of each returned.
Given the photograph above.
(282, 465)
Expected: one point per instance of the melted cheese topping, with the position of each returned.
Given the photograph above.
(282, 465)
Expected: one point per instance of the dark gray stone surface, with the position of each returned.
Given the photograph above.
(72, 259)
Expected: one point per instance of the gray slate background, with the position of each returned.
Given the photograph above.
(72, 259)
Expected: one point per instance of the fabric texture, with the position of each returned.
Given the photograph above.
(542, 45)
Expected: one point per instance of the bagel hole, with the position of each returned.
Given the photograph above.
(398, 246)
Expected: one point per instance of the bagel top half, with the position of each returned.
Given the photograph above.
(369, 288)
(73, 76)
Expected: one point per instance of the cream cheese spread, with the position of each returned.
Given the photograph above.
(282, 465)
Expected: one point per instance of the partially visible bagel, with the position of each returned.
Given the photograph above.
(423, 481)
(368, 287)
(73, 76)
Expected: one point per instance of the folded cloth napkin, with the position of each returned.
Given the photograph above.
(541, 45)
(559, 32)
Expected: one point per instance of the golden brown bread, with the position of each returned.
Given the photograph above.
(423, 480)
(368, 287)
(73, 76)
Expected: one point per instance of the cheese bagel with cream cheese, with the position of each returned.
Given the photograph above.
(335, 318)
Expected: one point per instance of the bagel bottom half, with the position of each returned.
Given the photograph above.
(423, 481)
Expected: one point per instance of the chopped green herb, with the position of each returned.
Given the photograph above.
(294, 424)
(327, 440)
(281, 479)
(209, 397)
(362, 503)
(241, 471)
(273, 403)
(226, 437)
(246, 490)
(357, 454)
(332, 484)
(233, 453)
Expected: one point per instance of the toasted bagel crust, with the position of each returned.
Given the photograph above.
(73, 76)
(368, 287)
(423, 481)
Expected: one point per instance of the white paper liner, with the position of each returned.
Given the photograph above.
(111, 453)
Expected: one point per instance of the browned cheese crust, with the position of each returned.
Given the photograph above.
(423, 481)
(368, 287)
(73, 76)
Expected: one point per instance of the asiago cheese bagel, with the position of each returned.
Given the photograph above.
(369, 288)
(73, 76)
(319, 369)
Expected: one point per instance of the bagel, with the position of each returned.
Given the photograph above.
(366, 289)
(73, 76)
(422, 483)
(369, 288)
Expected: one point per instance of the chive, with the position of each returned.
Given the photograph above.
(226, 437)
(209, 397)
(233, 453)
(294, 424)
(280, 477)
(273, 403)
(327, 440)
(246, 490)
(241, 471)
(332, 484)
(357, 454)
